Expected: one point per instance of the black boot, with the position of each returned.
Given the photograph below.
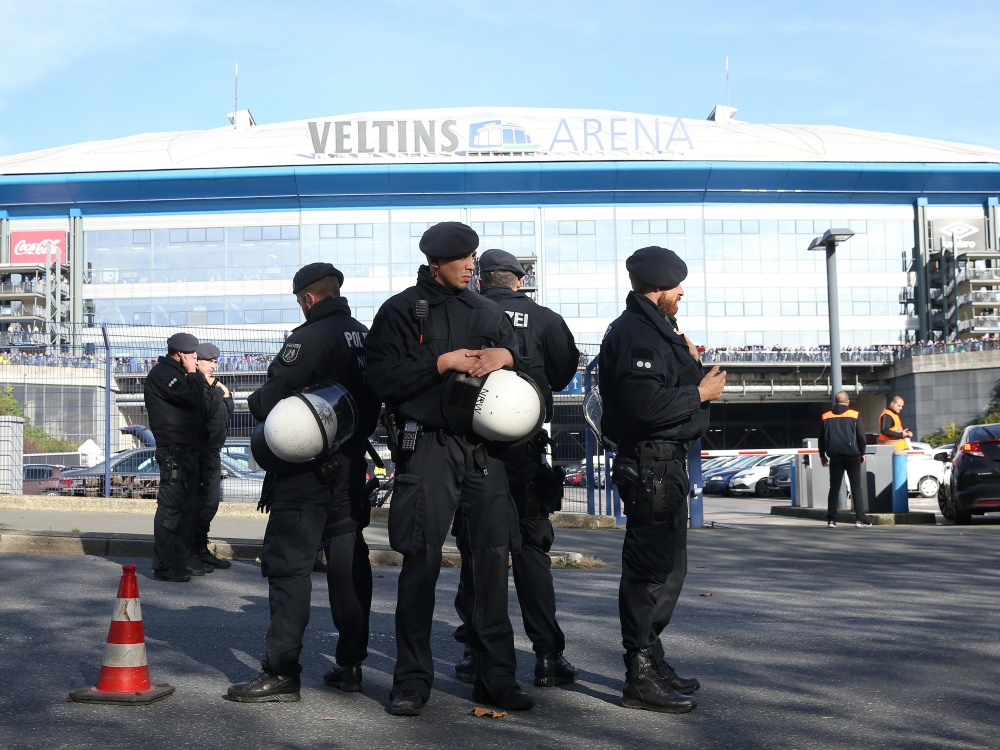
(553, 669)
(346, 678)
(206, 556)
(683, 685)
(465, 670)
(646, 689)
(267, 687)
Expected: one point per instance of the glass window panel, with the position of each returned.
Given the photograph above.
(417, 228)
(345, 230)
(271, 233)
(734, 309)
(251, 234)
(178, 235)
(512, 228)
(786, 227)
(363, 230)
(859, 227)
(713, 227)
(196, 235)
(290, 232)
(493, 228)
(215, 234)
(586, 227)
(752, 308)
(803, 226)
(749, 227)
(731, 227)
(527, 228)
(716, 309)
(570, 311)
(675, 226)
(141, 236)
(640, 227)
(808, 308)
(861, 308)
(327, 231)
(567, 227)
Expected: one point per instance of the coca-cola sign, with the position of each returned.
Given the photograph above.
(37, 247)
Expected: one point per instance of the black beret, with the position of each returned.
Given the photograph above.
(449, 239)
(182, 342)
(500, 260)
(657, 266)
(312, 273)
(207, 351)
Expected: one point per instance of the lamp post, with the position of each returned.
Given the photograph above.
(829, 241)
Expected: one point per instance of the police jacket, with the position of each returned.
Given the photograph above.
(890, 430)
(328, 347)
(545, 340)
(218, 410)
(175, 403)
(648, 379)
(403, 350)
(841, 433)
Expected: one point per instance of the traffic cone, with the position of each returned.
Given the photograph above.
(124, 676)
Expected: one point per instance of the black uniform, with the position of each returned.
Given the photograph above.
(553, 358)
(842, 442)
(440, 475)
(175, 404)
(305, 508)
(652, 410)
(218, 410)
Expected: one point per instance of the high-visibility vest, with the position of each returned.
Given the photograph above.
(897, 426)
(849, 413)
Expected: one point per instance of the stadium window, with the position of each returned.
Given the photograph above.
(750, 227)
(251, 234)
(658, 226)
(345, 230)
(786, 226)
(713, 227)
(290, 232)
(527, 228)
(567, 227)
(363, 230)
(586, 227)
(676, 226)
(493, 228)
(271, 233)
(178, 235)
(215, 234)
(417, 228)
(640, 227)
(196, 235)
(730, 226)
(141, 236)
(327, 231)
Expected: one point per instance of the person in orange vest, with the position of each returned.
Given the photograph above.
(890, 427)
(842, 448)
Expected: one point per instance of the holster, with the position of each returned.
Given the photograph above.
(170, 470)
(639, 473)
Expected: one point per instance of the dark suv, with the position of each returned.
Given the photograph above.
(41, 479)
(970, 484)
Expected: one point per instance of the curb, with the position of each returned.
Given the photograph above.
(847, 516)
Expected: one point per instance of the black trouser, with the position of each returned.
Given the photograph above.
(535, 590)
(850, 465)
(301, 509)
(175, 499)
(209, 494)
(435, 481)
(654, 564)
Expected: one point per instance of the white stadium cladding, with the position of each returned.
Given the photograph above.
(207, 227)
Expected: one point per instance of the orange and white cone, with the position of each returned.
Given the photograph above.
(124, 676)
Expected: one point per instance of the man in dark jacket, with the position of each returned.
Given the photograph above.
(322, 499)
(655, 398)
(553, 358)
(842, 448)
(218, 411)
(419, 338)
(174, 397)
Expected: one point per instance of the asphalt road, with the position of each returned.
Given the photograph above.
(803, 637)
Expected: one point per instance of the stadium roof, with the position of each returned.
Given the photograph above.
(489, 135)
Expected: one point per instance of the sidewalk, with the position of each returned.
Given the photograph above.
(94, 526)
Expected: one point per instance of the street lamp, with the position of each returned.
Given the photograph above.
(829, 241)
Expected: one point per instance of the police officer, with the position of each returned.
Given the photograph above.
(418, 339)
(548, 344)
(842, 448)
(174, 397)
(320, 499)
(655, 405)
(218, 411)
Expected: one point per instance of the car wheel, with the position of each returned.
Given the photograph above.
(927, 487)
(945, 505)
(762, 489)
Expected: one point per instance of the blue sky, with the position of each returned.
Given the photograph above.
(74, 72)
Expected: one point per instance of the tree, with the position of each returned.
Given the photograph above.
(36, 439)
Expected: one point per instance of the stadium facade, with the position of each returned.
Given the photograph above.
(207, 227)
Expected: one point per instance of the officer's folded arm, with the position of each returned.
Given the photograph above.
(651, 406)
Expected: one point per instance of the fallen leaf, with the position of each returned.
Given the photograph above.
(329, 718)
(707, 593)
(480, 712)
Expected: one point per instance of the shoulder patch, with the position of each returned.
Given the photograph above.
(290, 353)
(642, 359)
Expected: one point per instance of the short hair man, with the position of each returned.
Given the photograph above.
(419, 338)
(551, 350)
(655, 406)
(322, 499)
(890, 426)
(174, 398)
(842, 448)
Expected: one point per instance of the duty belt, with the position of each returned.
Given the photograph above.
(646, 451)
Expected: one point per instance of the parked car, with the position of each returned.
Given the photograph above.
(923, 475)
(779, 479)
(41, 479)
(136, 473)
(717, 480)
(971, 481)
(753, 480)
